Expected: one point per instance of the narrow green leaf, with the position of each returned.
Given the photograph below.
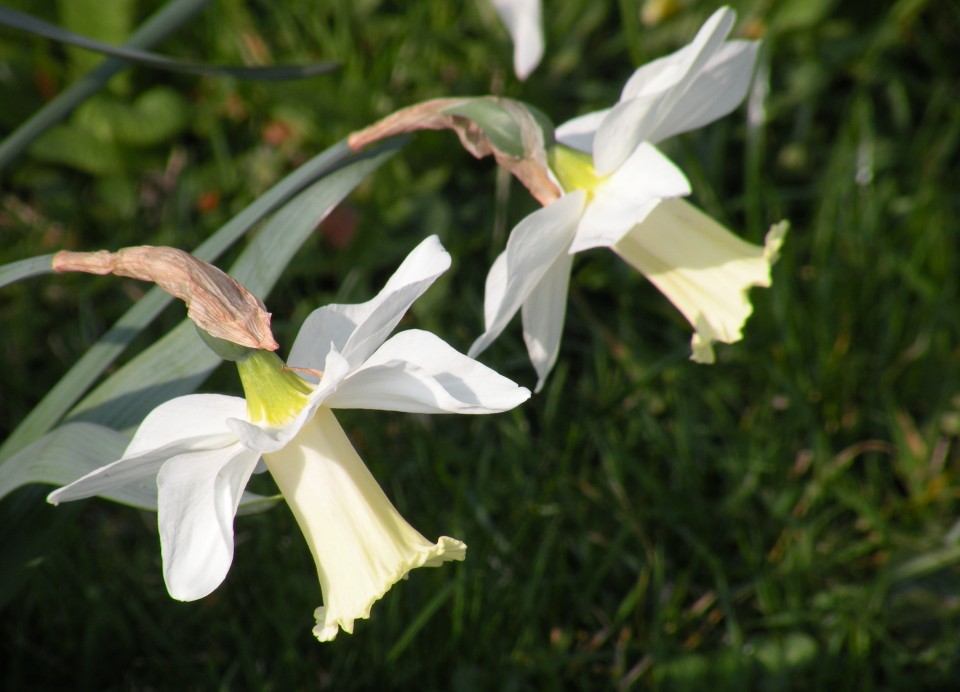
(26, 22)
(25, 268)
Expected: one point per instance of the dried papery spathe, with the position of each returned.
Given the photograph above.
(215, 302)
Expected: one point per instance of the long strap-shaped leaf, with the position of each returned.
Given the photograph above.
(155, 29)
(26, 22)
(24, 269)
(177, 363)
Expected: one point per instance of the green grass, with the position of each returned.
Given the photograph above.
(784, 519)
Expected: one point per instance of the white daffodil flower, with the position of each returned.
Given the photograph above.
(633, 207)
(203, 448)
(524, 22)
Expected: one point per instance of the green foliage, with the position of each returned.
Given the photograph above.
(784, 519)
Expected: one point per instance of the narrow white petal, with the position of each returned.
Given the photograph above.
(719, 88)
(194, 415)
(543, 316)
(626, 125)
(642, 108)
(357, 330)
(525, 25)
(495, 294)
(360, 543)
(198, 495)
(645, 107)
(533, 246)
(709, 39)
(660, 75)
(703, 269)
(418, 372)
(141, 468)
(623, 200)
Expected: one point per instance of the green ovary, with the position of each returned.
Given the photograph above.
(274, 395)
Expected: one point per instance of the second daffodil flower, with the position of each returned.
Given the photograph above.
(203, 448)
(621, 192)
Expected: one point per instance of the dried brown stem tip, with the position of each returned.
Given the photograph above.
(215, 302)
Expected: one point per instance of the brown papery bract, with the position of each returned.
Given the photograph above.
(215, 302)
(530, 169)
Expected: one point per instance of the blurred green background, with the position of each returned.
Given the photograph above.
(784, 519)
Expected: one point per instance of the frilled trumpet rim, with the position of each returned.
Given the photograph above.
(360, 543)
(704, 269)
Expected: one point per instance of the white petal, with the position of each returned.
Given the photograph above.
(719, 88)
(495, 293)
(644, 107)
(525, 25)
(627, 124)
(703, 269)
(671, 70)
(418, 372)
(625, 198)
(658, 76)
(120, 473)
(543, 316)
(178, 426)
(532, 247)
(357, 330)
(194, 415)
(360, 543)
(579, 132)
(640, 97)
(198, 495)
